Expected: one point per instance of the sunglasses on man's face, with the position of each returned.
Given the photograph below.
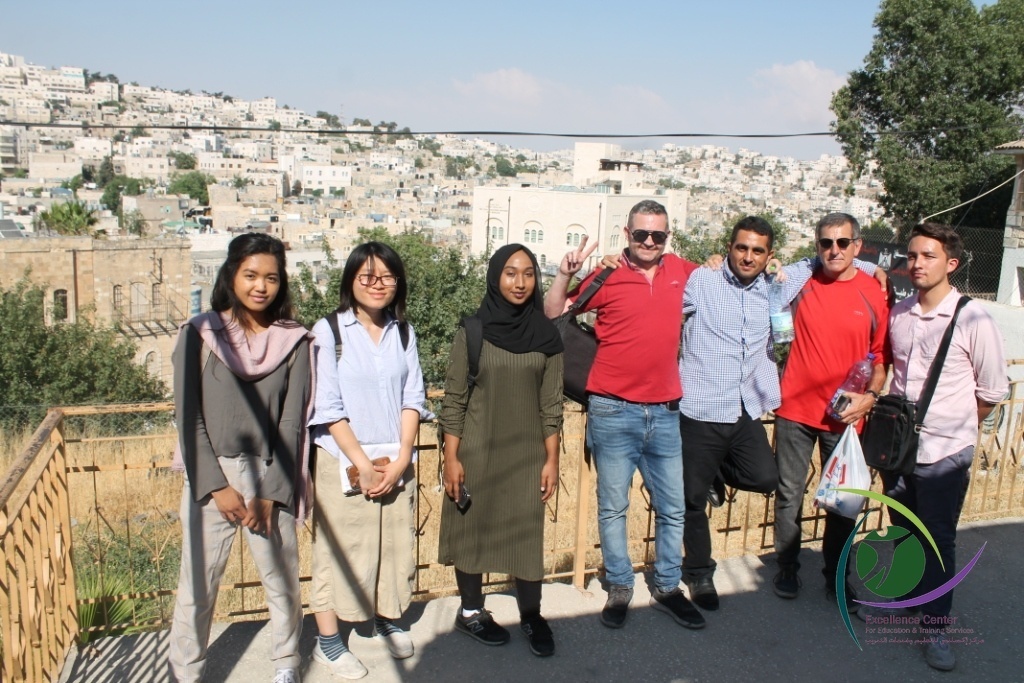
(657, 236)
(843, 242)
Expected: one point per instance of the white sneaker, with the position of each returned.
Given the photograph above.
(286, 676)
(939, 654)
(346, 666)
(398, 641)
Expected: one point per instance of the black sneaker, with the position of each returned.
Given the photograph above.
(851, 595)
(482, 627)
(703, 593)
(675, 604)
(542, 642)
(614, 613)
(786, 583)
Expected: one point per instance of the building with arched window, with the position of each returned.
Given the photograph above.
(142, 286)
(553, 220)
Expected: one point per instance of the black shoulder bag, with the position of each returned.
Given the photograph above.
(580, 343)
(891, 433)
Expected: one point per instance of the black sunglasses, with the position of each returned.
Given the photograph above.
(843, 242)
(657, 236)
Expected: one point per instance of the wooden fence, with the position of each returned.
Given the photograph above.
(90, 536)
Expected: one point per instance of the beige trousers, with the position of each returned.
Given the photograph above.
(363, 550)
(206, 542)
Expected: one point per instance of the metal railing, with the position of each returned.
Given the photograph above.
(90, 537)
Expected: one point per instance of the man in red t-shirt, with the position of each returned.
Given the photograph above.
(840, 316)
(633, 416)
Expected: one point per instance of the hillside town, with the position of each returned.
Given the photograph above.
(166, 178)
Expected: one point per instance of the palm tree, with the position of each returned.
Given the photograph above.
(69, 218)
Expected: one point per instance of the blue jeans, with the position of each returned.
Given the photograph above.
(624, 436)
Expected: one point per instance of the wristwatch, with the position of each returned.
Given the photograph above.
(872, 392)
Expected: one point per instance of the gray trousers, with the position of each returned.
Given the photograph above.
(794, 445)
(206, 544)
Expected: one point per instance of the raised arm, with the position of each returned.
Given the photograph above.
(558, 293)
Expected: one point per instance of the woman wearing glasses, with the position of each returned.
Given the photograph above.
(369, 401)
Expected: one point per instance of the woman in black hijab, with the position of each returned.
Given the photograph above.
(501, 441)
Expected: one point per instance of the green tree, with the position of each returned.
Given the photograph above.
(698, 245)
(879, 231)
(194, 184)
(456, 167)
(68, 218)
(64, 364)
(942, 85)
(297, 187)
(183, 161)
(443, 288)
(138, 132)
(134, 223)
(419, 162)
(75, 184)
(274, 125)
(239, 182)
(117, 187)
(332, 119)
(504, 167)
(106, 172)
(431, 145)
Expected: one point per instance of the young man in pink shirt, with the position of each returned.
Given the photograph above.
(972, 381)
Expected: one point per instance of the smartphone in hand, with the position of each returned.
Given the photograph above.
(462, 502)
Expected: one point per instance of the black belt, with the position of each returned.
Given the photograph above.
(671, 405)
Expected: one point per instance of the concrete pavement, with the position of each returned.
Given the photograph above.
(754, 636)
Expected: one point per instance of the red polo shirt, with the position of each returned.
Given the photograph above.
(638, 328)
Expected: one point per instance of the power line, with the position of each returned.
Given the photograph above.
(488, 133)
(1011, 178)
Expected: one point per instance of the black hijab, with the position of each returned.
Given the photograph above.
(516, 329)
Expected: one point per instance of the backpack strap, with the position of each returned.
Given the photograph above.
(332, 320)
(932, 380)
(474, 327)
(591, 290)
(403, 333)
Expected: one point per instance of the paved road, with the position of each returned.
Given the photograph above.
(754, 637)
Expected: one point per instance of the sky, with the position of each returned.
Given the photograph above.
(641, 67)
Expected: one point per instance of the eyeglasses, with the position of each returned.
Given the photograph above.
(657, 236)
(367, 280)
(843, 242)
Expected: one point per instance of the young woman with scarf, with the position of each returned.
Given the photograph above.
(242, 387)
(501, 441)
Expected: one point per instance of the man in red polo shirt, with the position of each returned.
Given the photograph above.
(840, 316)
(633, 413)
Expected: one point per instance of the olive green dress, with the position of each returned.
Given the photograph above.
(516, 404)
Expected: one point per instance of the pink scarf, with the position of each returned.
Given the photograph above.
(252, 358)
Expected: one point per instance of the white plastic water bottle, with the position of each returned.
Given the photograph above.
(780, 314)
(856, 381)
